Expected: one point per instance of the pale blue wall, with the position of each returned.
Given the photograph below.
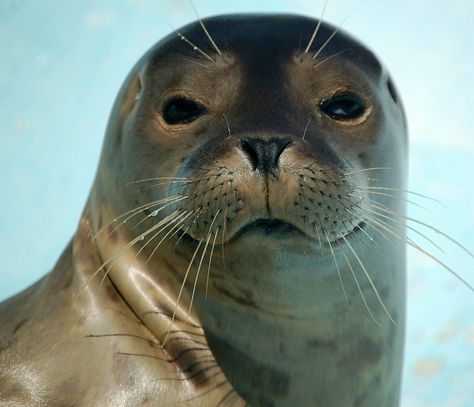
(62, 62)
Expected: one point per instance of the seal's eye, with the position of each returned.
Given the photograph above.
(180, 110)
(343, 106)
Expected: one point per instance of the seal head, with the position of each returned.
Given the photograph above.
(240, 216)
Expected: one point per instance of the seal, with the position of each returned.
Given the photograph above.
(241, 244)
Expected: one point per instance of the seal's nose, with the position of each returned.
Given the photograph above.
(263, 155)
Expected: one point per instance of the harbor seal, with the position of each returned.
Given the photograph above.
(238, 246)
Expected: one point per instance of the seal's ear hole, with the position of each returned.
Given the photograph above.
(343, 106)
(178, 110)
(392, 90)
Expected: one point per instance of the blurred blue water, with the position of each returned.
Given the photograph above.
(61, 66)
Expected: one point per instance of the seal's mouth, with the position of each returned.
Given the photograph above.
(279, 229)
(270, 228)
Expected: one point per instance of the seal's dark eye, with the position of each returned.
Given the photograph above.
(343, 106)
(180, 110)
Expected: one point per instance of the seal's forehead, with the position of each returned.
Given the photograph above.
(266, 35)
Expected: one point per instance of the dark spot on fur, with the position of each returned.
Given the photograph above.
(239, 300)
(259, 384)
(366, 354)
(19, 325)
(318, 343)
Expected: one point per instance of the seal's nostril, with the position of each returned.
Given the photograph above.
(251, 154)
(263, 155)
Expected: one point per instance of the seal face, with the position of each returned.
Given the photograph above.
(238, 243)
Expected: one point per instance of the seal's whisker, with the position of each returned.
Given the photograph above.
(152, 237)
(321, 48)
(306, 128)
(405, 191)
(434, 229)
(131, 213)
(182, 331)
(348, 230)
(367, 169)
(174, 336)
(224, 237)
(188, 182)
(389, 195)
(127, 246)
(417, 247)
(370, 216)
(208, 368)
(365, 233)
(360, 290)
(142, 355)
(181, 290)
(178, 179)
(319, 239)
(174, 228)
(369, 224)
(183, 233)
(198, 213)
(394, 216)
(315, 32)
(337, 266)
(227, 124)
(336, 54)
(177, 318)
(383, 207)
(192, 61)
(389, 228)
(201, 260)
(170, 222)
(210, 259)
(194, 46)
(187, 350)
(150, 215)
(376, 292)
(215, 387)
(165, 183)
(183, 338)
(205, 29)
(132, 336)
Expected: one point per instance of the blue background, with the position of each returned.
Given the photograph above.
(62, 63)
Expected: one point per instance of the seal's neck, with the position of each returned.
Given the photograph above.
(281, 341)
